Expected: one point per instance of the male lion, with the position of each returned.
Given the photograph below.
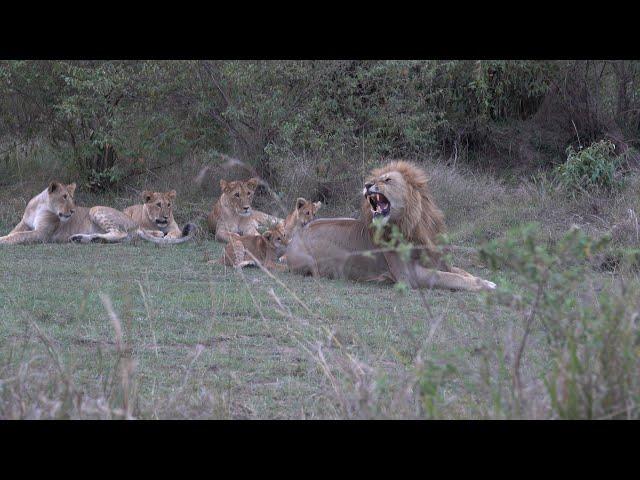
(303, 213)
(155, 216)
(232, 213)
(52, 217)
(266, 248)
(396, 194)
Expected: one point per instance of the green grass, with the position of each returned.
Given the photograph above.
(202, 341)
(171, 303)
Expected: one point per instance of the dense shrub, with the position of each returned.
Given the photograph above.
(314, 123)
(591, 331)
(591, 167)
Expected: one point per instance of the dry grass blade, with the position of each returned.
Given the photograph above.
(113, 318)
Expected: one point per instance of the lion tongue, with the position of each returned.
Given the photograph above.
(381, 202)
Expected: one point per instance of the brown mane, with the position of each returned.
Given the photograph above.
(347, 248)
(422, 221)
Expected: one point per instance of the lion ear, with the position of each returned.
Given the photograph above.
(223, 185)
(318, 205)
(172, 194)
(147, 196)
(253, 183)
(53, 186)
(300, 203)
(71, 188)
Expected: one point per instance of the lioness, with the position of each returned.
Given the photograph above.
(396, 194)
(266, 248)
(303, 213)
(52, 217)
(232, 213)
(155, 216)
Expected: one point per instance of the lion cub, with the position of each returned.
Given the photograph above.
(155, 216)
(233, 213)
(266, 248)
(303, 213)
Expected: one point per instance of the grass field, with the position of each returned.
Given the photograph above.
(139, 331)
(205, 341)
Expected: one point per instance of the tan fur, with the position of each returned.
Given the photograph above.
(303, 212)
(232, 213)
(155, 215)
(52, 217)
(334, 247)
(266, 248)
(418, 217)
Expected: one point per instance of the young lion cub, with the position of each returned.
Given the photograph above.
(233, 213)
(155, 216)
(303, 213)
(53, 217)
(266, 248)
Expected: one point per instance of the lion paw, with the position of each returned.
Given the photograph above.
(79, 238)
(487, 285)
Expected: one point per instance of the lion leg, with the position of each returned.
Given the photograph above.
(264, 219)
(174, 231)
(24, 237)
(276, 266)
(154, 233)
(245, 263)
(212, 221)
(233, 253)
(418, 276)
(425, 278)
(21, 227)
(459, 271)
(113, 223)
(222, 235)
(112, 236)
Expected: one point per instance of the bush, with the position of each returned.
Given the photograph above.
(321, 123)
(592, 332)
(593, 167)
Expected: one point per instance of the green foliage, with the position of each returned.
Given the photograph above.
(391, 239)
(591, 331)
(304, 122)
(591, 167)
(98, 114)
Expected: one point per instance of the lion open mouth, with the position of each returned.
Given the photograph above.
(380, 206)
(162, 223)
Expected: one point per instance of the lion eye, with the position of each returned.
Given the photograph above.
(168, 204)
(387, 180)
(237, 194)
(159, 204)
(64, 196)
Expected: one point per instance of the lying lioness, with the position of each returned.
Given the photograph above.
(266, 248)
(396, 194)
(232, 213)
(52, 217)
(303, 212)
(155, 216)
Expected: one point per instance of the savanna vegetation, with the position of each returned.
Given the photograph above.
(534, 164)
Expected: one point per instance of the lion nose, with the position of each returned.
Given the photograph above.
(370, 188)
(246, 208)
